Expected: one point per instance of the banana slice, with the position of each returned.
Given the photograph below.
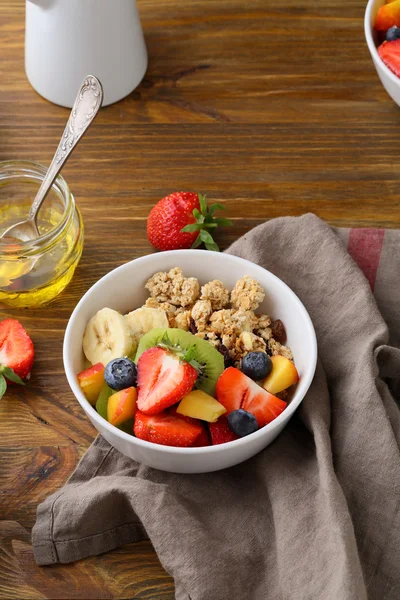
(141, 320)
(106, 337)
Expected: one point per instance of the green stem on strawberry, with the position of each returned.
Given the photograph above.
(183, 355)
(7, 372)
(205, 221)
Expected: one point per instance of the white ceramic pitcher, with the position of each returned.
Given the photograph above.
(67, 39)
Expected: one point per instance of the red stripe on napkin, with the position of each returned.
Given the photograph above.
(365, 246)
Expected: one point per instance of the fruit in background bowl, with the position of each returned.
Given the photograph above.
(387, 26)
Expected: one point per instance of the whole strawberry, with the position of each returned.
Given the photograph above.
(183, 220)
(16, 354)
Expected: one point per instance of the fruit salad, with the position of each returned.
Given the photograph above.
(195, 366)
(387, 26)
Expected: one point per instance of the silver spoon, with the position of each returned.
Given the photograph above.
(84, 110)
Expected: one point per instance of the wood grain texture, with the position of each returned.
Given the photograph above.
(272, 109)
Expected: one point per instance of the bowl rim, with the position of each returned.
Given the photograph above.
(371, 43)
(204, 450)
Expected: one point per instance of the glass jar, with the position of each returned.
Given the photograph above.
(32, 273)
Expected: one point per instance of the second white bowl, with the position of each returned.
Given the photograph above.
(389, 80)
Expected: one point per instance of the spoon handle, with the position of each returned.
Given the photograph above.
(84, 110)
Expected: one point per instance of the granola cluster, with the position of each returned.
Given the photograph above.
(225, 319)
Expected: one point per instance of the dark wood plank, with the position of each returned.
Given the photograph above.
(272, 109)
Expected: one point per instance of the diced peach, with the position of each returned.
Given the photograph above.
(283, 375)
(121, 406)
(199, 405)
(388, 15)
(91, 381)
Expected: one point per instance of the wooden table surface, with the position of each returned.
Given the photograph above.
(272, 109)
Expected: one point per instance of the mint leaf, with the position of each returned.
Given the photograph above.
(11, 376)
(3, 385)
(102, 400)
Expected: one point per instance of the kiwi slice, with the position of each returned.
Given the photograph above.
(102, 400)
(211, 362)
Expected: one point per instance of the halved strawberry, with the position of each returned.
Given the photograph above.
(16, 353)
(390, 54)
(165, 429)
(235, 390)
(163, 379)
(220, 432)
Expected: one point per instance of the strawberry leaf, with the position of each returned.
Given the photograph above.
(206, 237)
(213, 247)
(210, 225)
(203, 204)
(213, 209)
(223, 221)
(3, 385)
(205, 221)
(192, 227)
(11, 376)
(197, 242)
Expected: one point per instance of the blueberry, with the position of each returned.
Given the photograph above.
(120, 374)
(393, 34)
(242, 422)
(256, 365)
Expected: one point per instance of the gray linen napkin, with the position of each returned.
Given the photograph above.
(316, 514)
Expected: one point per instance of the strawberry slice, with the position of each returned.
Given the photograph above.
(390, 54)
(165, 429)
(16, 353)
(163, 380)
(220, 432)
(235, 390)
(203, 439)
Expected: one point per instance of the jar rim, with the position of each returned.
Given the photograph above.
(17, 169)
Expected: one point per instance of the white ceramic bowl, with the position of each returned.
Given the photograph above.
(389, 80)
(123, 289)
